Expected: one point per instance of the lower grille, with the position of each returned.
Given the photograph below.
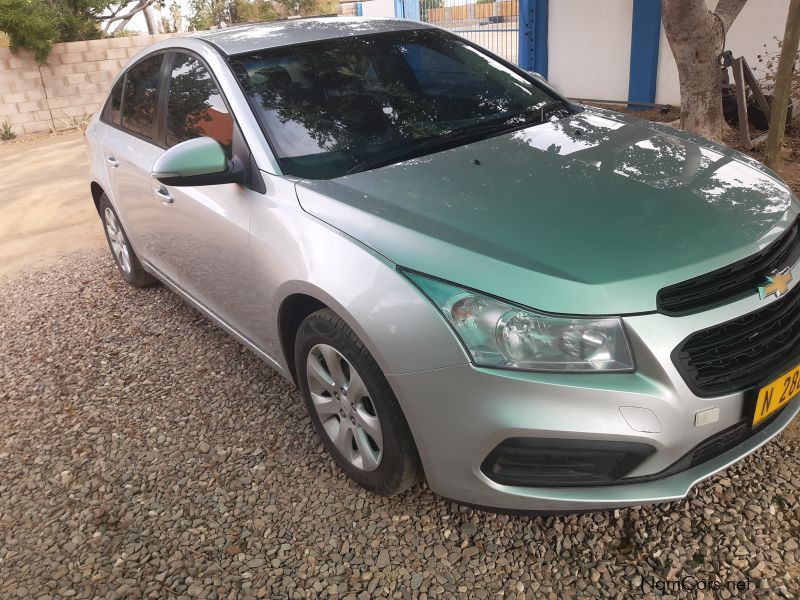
(716, 445)
(737, 354)
(549, 462)
(703, 452)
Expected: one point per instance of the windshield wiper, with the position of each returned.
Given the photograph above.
(530, 116)
(424, 146)
(545, 109)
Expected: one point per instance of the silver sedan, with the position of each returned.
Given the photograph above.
(532, 304)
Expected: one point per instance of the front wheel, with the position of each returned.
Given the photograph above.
(352, 407)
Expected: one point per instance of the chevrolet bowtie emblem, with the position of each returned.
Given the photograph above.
(777, 284)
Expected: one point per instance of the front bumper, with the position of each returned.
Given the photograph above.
(462, 414)
(459, 414)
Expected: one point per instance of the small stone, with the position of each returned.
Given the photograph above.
(416, 581)
(383, 559)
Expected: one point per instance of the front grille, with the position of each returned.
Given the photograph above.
(733, 282)
(739, 353)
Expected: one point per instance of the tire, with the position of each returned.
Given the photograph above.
(127, 262)
(347, 405)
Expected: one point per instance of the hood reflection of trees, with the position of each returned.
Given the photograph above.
(661, 160)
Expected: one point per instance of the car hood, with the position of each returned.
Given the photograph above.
(591, 214)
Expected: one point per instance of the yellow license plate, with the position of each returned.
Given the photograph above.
(776, 395)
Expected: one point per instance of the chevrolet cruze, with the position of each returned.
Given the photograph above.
(533, 305)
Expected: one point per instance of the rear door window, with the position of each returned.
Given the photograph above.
(195, 107)
(140, 95)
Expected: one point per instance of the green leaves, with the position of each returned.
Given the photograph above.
(36, 25)
(30, 25)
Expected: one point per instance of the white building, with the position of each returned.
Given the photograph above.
(604, 49)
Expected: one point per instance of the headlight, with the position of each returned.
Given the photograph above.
(499, 334)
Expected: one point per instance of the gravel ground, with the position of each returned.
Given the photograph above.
(145, 453)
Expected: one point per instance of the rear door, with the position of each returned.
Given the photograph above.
(129, 150)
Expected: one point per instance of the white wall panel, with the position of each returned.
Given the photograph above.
(589, 47)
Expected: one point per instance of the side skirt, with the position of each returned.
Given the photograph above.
(217, 320)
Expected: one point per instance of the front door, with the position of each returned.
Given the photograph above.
(209, 224)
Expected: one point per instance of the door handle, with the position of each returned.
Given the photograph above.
(165, 196)
(111, 160)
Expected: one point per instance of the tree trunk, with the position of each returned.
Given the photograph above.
(783, 84)
(696, 37)
(151, 20)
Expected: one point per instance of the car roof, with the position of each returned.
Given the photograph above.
(259, 36)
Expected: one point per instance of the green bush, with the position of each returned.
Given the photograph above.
(36, 25)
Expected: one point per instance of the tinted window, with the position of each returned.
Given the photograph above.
(438, 73)
(111, 112)
(336, 106)
(139, 97)
(195, 106)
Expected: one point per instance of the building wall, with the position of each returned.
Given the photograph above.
(589, 48)
(73, 83)
(377, 8)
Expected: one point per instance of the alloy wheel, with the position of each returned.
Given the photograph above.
(344, 407)
(116, 238)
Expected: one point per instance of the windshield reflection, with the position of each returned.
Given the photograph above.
(330, 105)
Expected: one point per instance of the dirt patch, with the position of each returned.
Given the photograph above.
(45, 202)
(790, 169)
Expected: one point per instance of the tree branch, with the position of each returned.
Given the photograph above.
(140, 6)
(110, 19)
(114, 13)
(727, 11)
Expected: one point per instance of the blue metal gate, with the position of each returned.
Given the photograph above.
(493, 24)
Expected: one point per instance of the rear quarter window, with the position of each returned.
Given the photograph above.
(111, 111)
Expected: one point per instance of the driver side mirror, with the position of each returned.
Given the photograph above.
(200, 161)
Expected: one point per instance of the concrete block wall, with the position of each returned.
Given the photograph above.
(73, 83)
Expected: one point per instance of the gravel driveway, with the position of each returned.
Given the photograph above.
(145, 453)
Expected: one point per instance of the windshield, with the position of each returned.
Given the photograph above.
(350, 104)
